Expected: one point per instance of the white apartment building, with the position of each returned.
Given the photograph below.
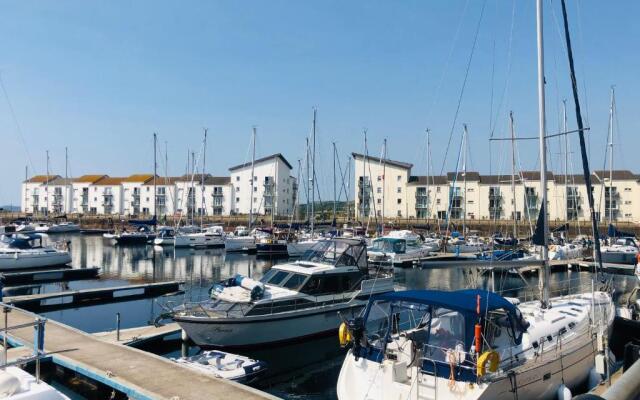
(274, 189)
(486, 197)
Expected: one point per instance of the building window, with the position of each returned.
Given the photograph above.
(437, 201)
(237, 199)
(255, 199)
(379, 190)
(379, 201)
(255, 188)
(470, 201)
(399, 213)
(399, 201)
(627, 202)
(628, 215)
(399, 178)
(438, 189)
(237, 178)
(237, 189)
(627, 189)
(399, 190)
(379, 178)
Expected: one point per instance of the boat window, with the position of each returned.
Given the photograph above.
(329, 252)
(399, 247)
(274, 277)
(447, 331)
(377, 323)
(295, 281)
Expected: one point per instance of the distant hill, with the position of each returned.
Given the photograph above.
(10, 208)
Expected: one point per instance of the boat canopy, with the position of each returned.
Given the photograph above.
(390, 245)
(340, 252)
(464, 301)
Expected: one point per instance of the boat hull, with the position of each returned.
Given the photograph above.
(240, 244)
(274, 249)
(36, 260)
(199, 240)
(618, 257)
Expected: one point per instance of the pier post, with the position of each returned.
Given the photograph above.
(6, 311)
(117, 327)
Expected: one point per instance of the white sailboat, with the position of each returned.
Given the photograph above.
(476, 344)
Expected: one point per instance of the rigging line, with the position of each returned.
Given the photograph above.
(464, 85)
(17, 124)
(505, 90)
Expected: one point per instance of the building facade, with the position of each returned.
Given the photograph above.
(386, 187)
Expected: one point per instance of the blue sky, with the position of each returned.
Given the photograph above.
(101, 77)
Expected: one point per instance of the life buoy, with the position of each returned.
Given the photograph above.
(344, 336)
(491, 357)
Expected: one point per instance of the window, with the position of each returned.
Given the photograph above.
(379, 178)
(627, 202)
(237, 199)
(399, 213)
(255, 199)
(379, 190)
(470, 201)
(627, 189)
(437, 201)
(237, 179)
(399, 201)
(274, 277)
(295, 281)
(399, 178)
(438, 189)
(399, 190)
(255, 179)
(469, 189)
(237, 188)
(379, 201)
(628, 215)
(255, 188)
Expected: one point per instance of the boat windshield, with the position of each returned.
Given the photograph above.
(389, 245)
(335, 252)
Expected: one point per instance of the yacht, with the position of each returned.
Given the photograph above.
(400, 247)
(622, 251)
(23, 251)
(142, 235)
(471, 244)
(471, 344)
(240, 240)
(165, 236)
(270, 243)
(291, 301)
(62, 227)
(212, 236)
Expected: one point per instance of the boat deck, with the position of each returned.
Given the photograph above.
(140, 375)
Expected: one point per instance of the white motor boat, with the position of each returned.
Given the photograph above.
(17, 384)
(568, 251)
(26, 251)
(291, 301)
(471, 244)
(224, 365)
(400, 247)
(622, 251)
(471, 344)
(241, 240)
(62, 227)
(213, 236)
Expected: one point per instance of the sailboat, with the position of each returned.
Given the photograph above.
(473, 343)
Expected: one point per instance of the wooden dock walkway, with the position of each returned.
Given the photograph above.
(50, 275)
(77, 297)
(138, 335)
(138, 374)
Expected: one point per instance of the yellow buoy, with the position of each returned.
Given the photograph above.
(491, 357)
(344, 335)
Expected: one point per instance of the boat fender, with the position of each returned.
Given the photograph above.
(478, 337)
(564, 393)
(9, 384)
(344, 336)
(256, 287)
(491, 357)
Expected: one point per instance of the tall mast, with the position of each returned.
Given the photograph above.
(193, 188)
(155, 167)
(464, 171)
(334, 182)
(308, 179)
(47, 188)
(611, 155)
(253, 162)
(513, 175)
(566, 159)
(203, 208)
(384, 178)
(428, 131)
(348, 189)
(298, 216)
(313, 173)
(544, 277)
(66, 179)
(364, 174)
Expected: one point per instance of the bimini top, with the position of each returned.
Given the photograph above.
(464, 301)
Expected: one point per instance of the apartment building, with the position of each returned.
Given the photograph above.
(386, 187)
(274, 193)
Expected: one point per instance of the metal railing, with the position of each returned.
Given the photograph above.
(38, 338)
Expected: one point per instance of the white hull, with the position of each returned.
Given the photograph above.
(618, 257)
(60, 228)
(281, 327)
(164, 241)
(32, 259)
(240, 243)
(465, 248)
(27, 388)
(199, 240)
(411, 255)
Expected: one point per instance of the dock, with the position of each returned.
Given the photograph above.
(138, 374)
(48, 275)
(620, 269)
(72, 298)
(139, 335)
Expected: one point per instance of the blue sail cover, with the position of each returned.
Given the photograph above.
(538, 234)
(614, 232)
(152, 221)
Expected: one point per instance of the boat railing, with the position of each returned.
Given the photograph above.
(38, 324)
(569, 287)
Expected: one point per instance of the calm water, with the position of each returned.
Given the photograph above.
(299, 371)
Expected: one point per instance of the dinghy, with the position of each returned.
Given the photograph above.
(224, 365)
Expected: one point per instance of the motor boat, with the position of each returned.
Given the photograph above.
(22, 251)
(622, 251)
(212, 236)
(142, 235)
(400, 247)
(471, 244)
(240, 240)
(224, 365)
(471, 344)
(62, 227)
(270, 243)
(165, 236)
(17, 384)
(291, 301)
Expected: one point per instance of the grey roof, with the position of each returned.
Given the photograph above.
(197, 178)
(61, 181)
(259, 160)
(470, 176)
(432, 180)
(386, 161)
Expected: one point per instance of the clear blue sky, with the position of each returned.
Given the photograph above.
(101, 77)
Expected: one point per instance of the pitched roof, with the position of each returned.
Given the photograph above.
(89, 178)
(109, 181)
(385, 160)
(470, 176)
(618, 175)
(138, 178)
(61, 181)
(422, 180)
(197, 178)
(259, 160)
(42, 178)
(163, 180)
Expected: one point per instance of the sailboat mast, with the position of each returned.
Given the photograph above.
(308, 185)
(611, 155)
(384, 179)
(66, 179)
(513, 175)
(428, 132)
(313, 172)
(544, 276)
(464, 172)
(348, 189)
(47, 188)
(203, 208)
(253, 161)
(566, 159)
(334, 182)
(155, 166)
(193, 188)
